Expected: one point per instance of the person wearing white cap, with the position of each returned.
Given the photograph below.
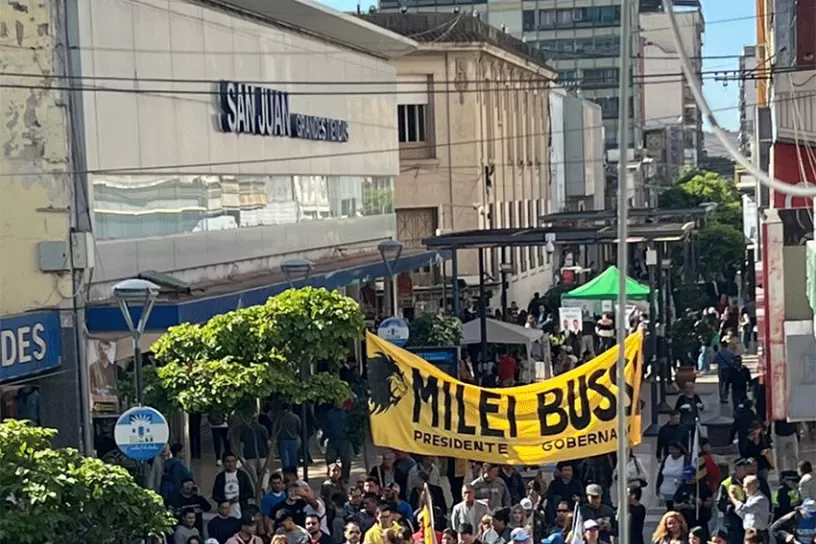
(519, 535)
(592, 532)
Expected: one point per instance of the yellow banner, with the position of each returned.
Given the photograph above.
(415, 407)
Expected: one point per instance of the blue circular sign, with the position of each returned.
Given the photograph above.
(395, 330)
(141, 433)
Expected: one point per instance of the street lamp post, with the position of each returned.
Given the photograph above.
(130, 294)
(390, 252)
(299, 269)
(506, 269)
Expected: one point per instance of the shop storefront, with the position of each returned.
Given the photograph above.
(38, 372)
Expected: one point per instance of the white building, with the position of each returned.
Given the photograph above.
(667, 99)
(747, 100)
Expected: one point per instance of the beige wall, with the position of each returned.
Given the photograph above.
(34, 160)
(499, 123)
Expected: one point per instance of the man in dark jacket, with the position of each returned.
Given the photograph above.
(672, 431)
(566, 488)
(232, 485)
(188, 496)
(603, 514)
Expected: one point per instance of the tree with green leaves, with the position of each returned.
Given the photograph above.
(57, 495)
(720, 239)
(435, 329)
(238, 359)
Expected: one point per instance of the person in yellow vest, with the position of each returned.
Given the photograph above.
(786, 498)
(385, 521)
(732, 522)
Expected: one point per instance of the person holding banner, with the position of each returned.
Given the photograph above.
(694, 500)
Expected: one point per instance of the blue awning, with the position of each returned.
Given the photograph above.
(108, 318)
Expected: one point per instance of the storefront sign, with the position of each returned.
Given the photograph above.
(414, 406)
(445, 359)
(29, 344)
(250, 109)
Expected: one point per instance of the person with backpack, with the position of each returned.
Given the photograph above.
(175, 473)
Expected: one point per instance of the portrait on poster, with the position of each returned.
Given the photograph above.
(103, 375)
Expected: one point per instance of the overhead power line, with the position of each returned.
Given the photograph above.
(178, 168)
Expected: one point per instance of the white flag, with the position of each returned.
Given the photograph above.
(577, 527)
(695, 449)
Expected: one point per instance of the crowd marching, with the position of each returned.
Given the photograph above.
(574, 505)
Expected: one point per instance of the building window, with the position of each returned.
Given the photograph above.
(566, 77)
(579, 17)
(609, 106)
(597, 78)
(528, 19)
(411, 121)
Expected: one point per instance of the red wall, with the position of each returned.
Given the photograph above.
(785, 167)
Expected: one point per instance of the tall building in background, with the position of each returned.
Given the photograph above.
(747, 100)
(668, 105)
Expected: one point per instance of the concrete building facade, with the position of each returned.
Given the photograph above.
(747, 101)
(668, 105)
(474, 139)
(200, 145)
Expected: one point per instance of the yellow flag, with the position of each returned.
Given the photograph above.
(427, 519)
(414, 406)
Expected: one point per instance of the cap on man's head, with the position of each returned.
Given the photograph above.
(791, 475)
(590, 524)
(526, 504)
(519, 535)
(594, 490)
(809, 506)
(744, 462)
(211, 541)
(247, 520)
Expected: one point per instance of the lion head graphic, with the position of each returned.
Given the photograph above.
(386, 383)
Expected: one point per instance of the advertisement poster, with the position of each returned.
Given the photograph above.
(102, 376)
(571, 319)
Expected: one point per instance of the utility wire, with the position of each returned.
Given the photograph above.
(178, 168)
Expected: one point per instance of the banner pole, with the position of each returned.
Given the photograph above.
(623, 265)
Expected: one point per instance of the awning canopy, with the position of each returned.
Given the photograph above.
(605, 287)
(499, 332)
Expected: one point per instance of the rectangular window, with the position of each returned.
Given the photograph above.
(564, 17)
(598, 78)
(411, 123)
(528, 19)
(546, 17)
(566, 77)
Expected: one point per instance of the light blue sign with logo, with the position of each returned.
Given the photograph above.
(141, 433)
(395, 330)
(29, 344)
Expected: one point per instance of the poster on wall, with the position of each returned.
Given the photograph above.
(102, 376)
(571, 319)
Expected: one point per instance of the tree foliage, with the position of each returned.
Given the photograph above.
(435, 329)
(57, 495)
(228, 363)
(720, 246)
(695, 188)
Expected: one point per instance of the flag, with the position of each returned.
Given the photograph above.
(697, 462)
(577, 531)
(428, 519)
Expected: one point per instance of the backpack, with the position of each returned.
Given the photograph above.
(169, 482)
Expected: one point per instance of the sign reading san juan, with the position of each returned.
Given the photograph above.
(250, 109)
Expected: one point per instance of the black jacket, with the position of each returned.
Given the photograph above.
(668, 434)
(245, 489)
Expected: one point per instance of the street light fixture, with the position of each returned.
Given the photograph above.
(505, 269)
(130, 294)
(391, 251)
(296, 269)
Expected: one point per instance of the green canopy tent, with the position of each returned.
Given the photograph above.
(605, 287)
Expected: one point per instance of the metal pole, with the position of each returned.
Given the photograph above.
(444, 287)
(455, 283)
(504, 295)
(623, 264)
(394, 295)
(482, 305)
(304, 426)
(137, 366)
(654, 424)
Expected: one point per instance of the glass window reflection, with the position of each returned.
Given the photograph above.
(143, 206)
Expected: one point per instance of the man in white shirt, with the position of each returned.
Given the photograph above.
(756, 510)
(469, 510)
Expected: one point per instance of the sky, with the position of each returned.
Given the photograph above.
(723, 36)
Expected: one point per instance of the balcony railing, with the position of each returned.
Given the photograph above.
(795, 106)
